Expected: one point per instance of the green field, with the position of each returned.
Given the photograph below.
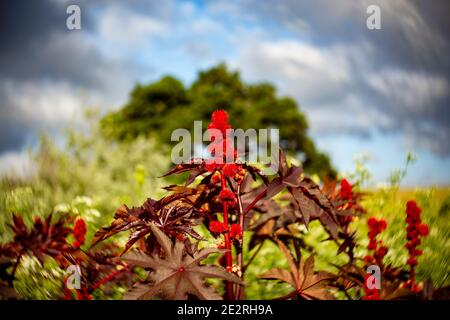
(390, 204)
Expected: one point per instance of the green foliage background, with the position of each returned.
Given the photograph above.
(160, 107)
(90, 177)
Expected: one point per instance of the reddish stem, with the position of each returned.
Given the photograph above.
(228, 255)
(106, 279)
(253, 203)
(240, 256)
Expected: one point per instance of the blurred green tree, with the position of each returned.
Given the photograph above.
(160, 107)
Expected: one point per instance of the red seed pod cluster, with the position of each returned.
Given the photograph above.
(235, 231)
(218, 227)
(227, 195)
(224, 167)
(414, 231)
(229, 170)
(222, 150)
(219, 121)
(212, 166)
(376, 226)
(79, 233)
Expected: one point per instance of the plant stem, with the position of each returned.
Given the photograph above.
(252, 204)
(16, 265)
(240, 256)
(253, 256)
(228, 255)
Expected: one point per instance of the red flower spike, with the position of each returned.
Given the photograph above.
(224, 154)
(79, 232)
(414, 231)
(346, 191)
(370, 294)
(376, 226)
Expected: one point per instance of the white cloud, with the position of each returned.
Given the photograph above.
(322, 79)
(16, 164)
(415, 29)
(306, 71)
(41, 103)
(343, 92)
(353, 115)
(415, 91)
(121, 26)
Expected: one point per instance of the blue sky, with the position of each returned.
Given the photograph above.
(381, 92)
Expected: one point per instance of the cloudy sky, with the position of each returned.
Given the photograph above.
(381, 92)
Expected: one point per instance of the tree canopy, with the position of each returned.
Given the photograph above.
(156, 109)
